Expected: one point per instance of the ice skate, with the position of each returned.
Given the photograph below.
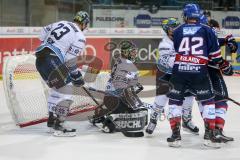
(153, 123)
(175, 139)
(188, 126)
(50, 122)
(61, 131)
(212, 139)
(224, 138)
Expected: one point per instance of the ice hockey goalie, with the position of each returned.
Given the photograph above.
(130, 114)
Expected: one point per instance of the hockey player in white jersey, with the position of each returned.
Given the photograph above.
(61, 43)
(165, 64)
(129, 115)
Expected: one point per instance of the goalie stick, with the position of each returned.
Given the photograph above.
(146, 105)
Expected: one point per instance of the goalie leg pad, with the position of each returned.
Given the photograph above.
(130, 122)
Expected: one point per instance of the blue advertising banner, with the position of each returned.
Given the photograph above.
(231, 22)
(146, 21)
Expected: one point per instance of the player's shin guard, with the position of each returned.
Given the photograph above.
(175, 139)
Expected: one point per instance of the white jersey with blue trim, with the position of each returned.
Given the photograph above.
(64, 38)
(166, 55)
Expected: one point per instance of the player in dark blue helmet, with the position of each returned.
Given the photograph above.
(217, 79)
(196, 45)
(165, 64)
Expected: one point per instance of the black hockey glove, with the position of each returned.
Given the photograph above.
(231, 43)
(226, 68)
(233, 46)
(77, 79)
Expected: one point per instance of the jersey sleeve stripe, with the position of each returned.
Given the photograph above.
(216, 52)
(215, 56)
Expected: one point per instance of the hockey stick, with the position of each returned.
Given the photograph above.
(147, 105)
(227, 98)
(90, 95)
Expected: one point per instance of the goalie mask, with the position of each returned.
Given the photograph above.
(128, 50)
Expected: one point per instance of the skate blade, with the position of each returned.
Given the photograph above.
(62, 134)
(175, 144)
(227, 141)
(210, 144)
(50, 130)
(189, 131)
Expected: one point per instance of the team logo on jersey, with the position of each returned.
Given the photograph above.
(190, 30)
(185, 67)
(202, 92)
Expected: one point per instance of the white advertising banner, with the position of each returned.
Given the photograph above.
(105, 32)
(115, 18)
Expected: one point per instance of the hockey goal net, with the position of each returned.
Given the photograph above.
(26, 93)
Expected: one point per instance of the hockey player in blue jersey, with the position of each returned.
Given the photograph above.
(196, 45)
(165, 64)
(217, 79)
(61, 44)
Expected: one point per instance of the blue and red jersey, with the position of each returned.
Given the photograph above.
(196, 45)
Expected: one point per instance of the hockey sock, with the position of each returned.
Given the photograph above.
(175, 122)
(221, 109)
(209, 123)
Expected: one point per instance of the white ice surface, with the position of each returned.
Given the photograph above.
(34, 143)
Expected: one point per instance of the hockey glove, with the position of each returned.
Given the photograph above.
(77, 79)
(233, 46)
(231, 43)
(226, 68)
